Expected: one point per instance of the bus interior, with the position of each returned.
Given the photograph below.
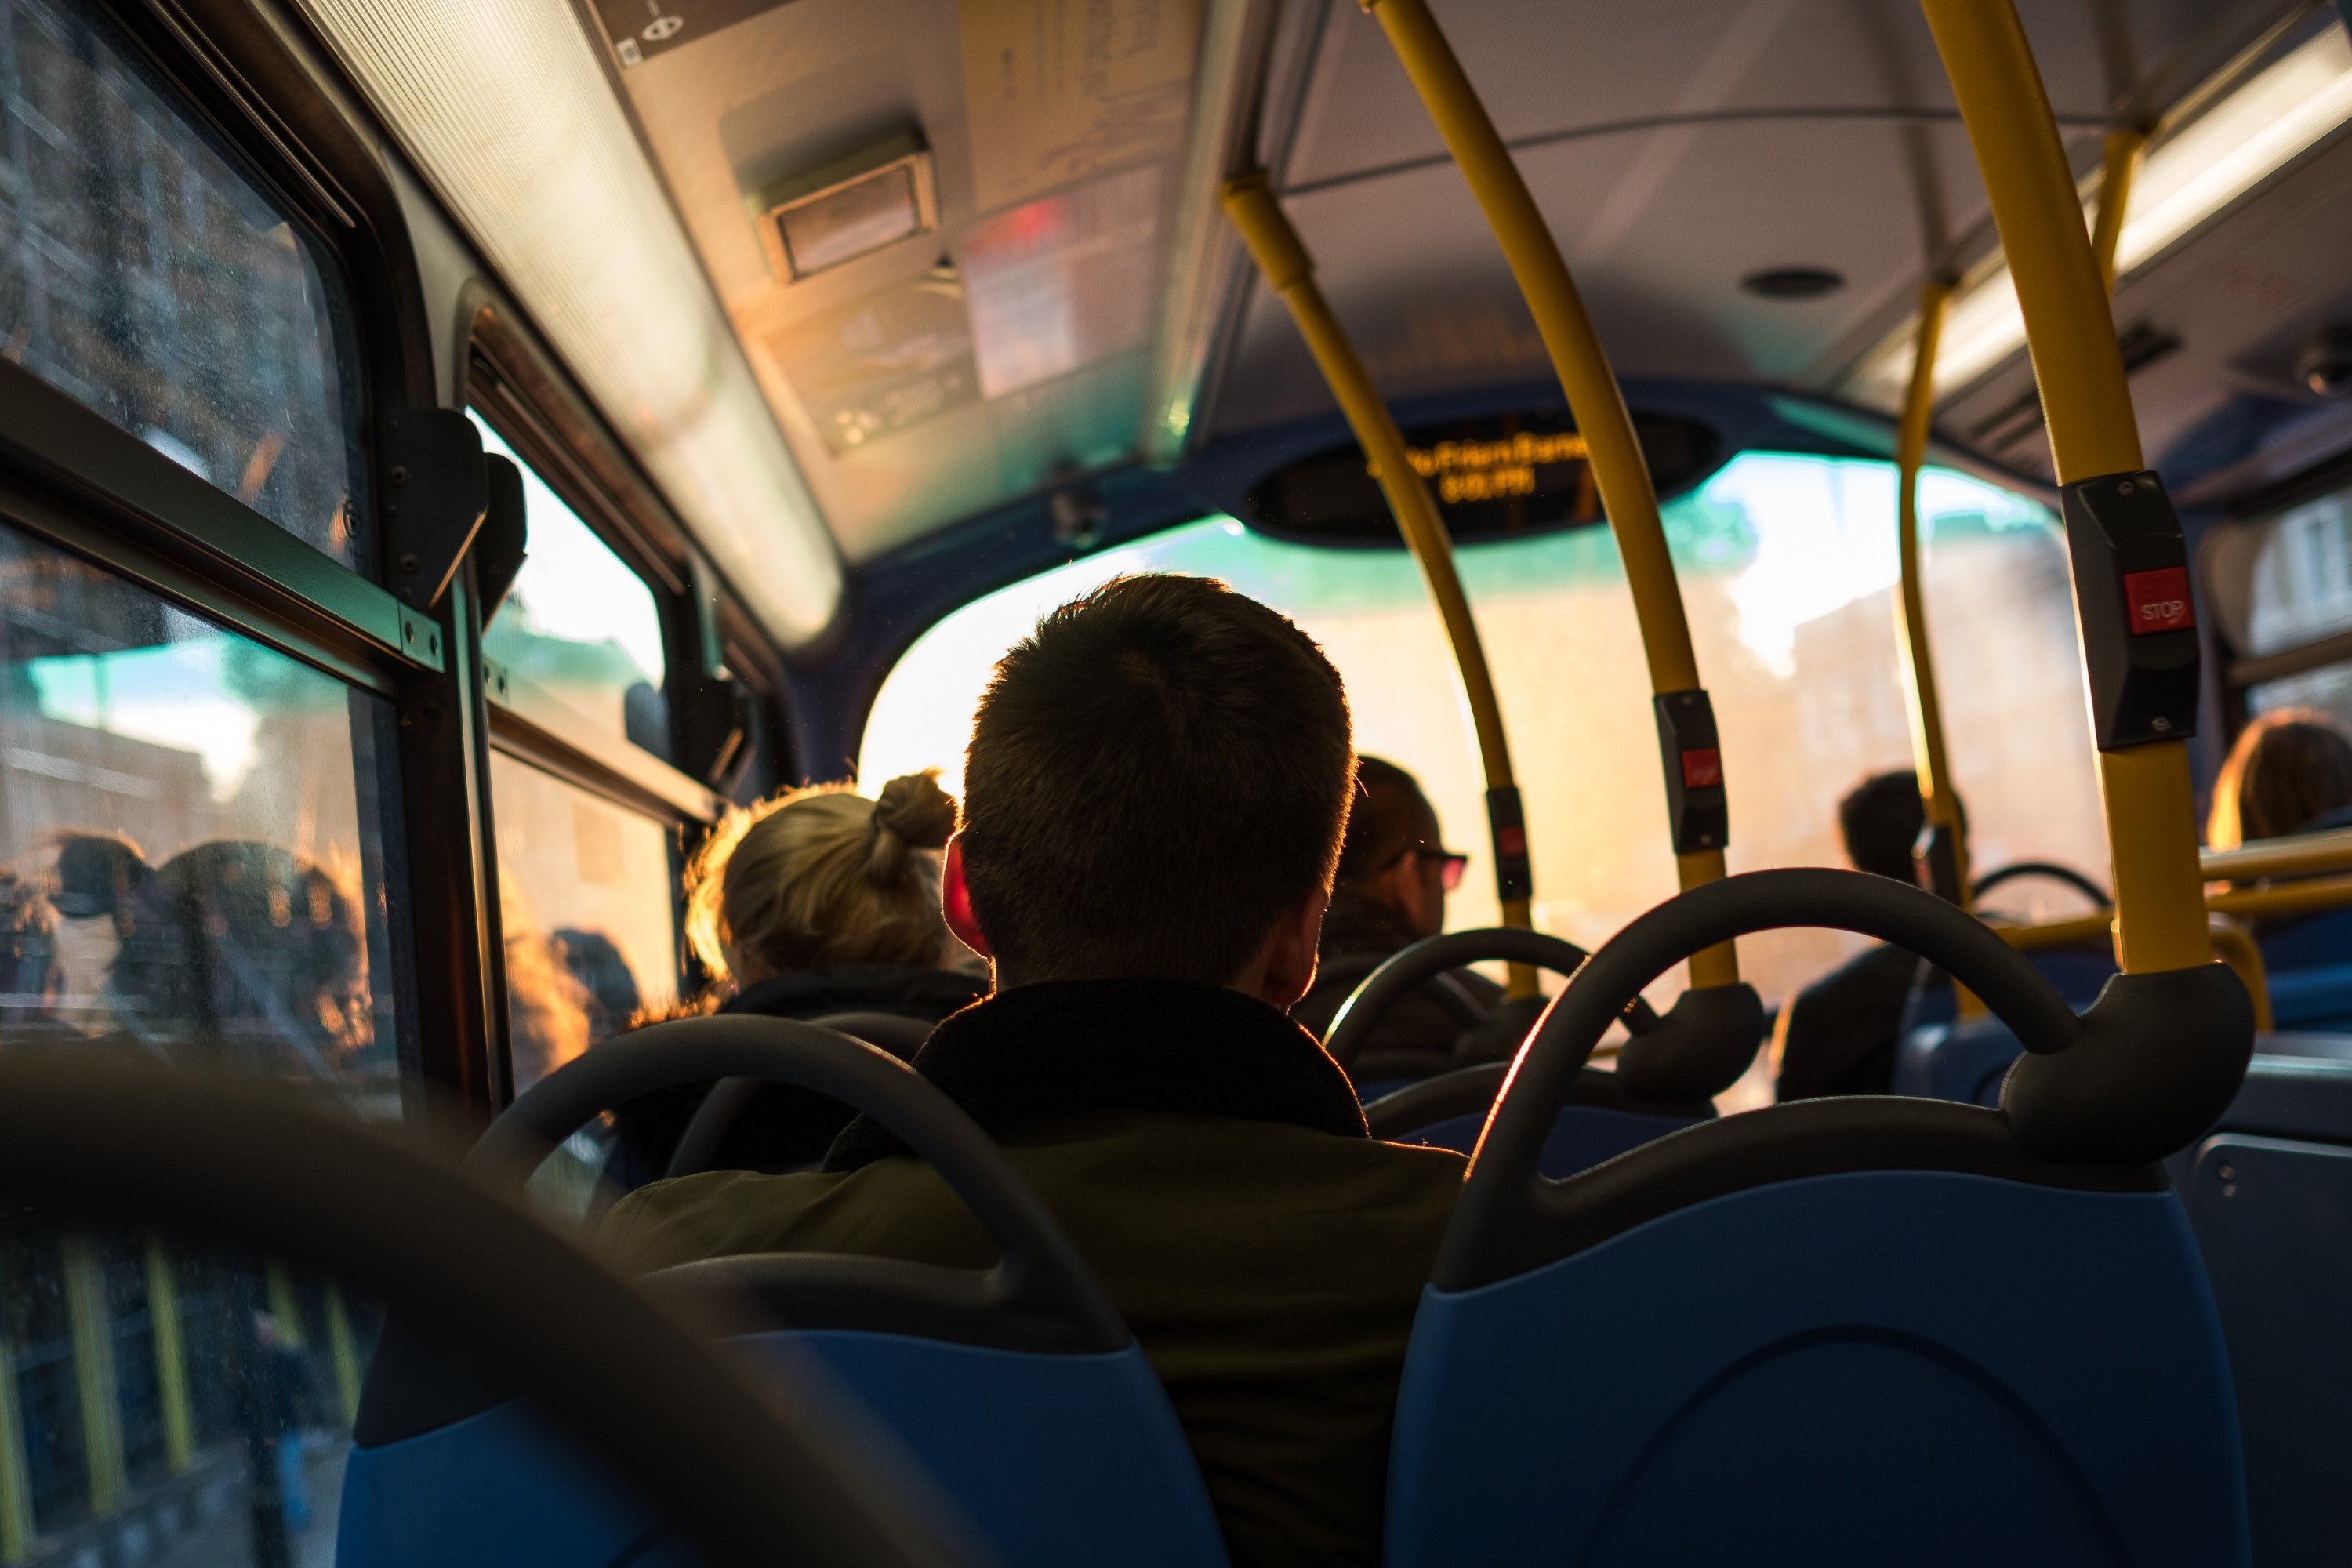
(455, 458)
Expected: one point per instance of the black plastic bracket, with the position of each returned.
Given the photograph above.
(2138, 616)
(436, 492)
(1507, 820)
(2157, 1060)
(1698, 813)
(498, 542)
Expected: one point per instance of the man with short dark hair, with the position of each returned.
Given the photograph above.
(1153, 802)
(1838, 1034)
(1394, 873)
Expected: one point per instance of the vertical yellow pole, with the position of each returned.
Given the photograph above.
(1938, 798)
(344, 1352)
(16, 1522)
(283, 1305)
(2086, 404)
(1290, 273)
(1594, 398)
(93, 1352)
(170, 1358)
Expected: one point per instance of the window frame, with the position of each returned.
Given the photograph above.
(2237, 673)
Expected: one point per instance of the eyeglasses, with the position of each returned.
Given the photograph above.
(1451, 864)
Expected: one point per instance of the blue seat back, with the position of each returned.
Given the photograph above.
(2270, 1213)
(1045, 1458)
(1961, 1062)
(1862, 1368)
(1581, 1137)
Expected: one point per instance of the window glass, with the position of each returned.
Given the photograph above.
(170, 1403)
(144, 275)
(192, 868)
(587, 897)
(580, 627)
(2302, 582)
(1788, 567)
(194, 850)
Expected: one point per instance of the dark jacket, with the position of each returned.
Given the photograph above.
(1415, 1037)
(1210, 1163)
(783, 1129)
(1838, 1034)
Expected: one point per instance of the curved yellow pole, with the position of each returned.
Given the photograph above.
(1594, 399)
(1289, 271)
(2151, 818)
(1948, 858)
(2117, 169)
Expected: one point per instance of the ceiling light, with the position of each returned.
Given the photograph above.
(2193, 173)
(846, 209)
(504, 109)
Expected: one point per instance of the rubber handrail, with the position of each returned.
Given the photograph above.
(245, 1163)
(1039, 1269)
(1408, 969)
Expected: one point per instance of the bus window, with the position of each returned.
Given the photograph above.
(144, 274)
(191, 857)
(579, 627)
(587, 902)
(2299, 594)
(1787, 563)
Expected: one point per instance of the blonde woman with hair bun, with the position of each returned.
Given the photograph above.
(816, 901)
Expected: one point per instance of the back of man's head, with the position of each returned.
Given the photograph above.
(1156, 778)
(1880, 822)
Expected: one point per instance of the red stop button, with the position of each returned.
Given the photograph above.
(1702, 767)
(2157, 601)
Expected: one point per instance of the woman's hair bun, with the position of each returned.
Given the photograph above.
(914, 809)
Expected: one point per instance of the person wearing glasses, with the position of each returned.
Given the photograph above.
(1394, 874)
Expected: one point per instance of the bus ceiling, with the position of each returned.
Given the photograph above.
(844, 273)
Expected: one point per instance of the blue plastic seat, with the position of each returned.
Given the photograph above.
(1840, 1331)
(1018, 1394)
(1600, 1122)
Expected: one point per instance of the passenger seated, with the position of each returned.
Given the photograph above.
(1158, 783)
(1394, 874)
(1838, 1034)
(2289, 771)
(814, 902)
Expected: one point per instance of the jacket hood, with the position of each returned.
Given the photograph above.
(918, 992)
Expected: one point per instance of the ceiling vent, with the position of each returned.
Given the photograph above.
(846, 209)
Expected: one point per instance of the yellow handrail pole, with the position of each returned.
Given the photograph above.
(2086, 406)
(2236, 946)
(1289, 271)
(2117, 168)
(1594, 399)
(1948, 856)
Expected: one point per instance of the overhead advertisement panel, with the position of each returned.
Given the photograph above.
(1059, 90)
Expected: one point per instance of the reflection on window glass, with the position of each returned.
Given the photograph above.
(1788, 567)
(174, 1404)
(2302, 576)
(2329, 689)
(587, 898)
(580, 627)
(191, 850)
(142, 274)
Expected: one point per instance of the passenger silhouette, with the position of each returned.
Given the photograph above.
(1155, 794)
(1838, 1034)
(233, 944)
(1394, 873)
(2288, 772)
(817, 901)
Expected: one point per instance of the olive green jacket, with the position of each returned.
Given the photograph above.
(1270, 1269)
